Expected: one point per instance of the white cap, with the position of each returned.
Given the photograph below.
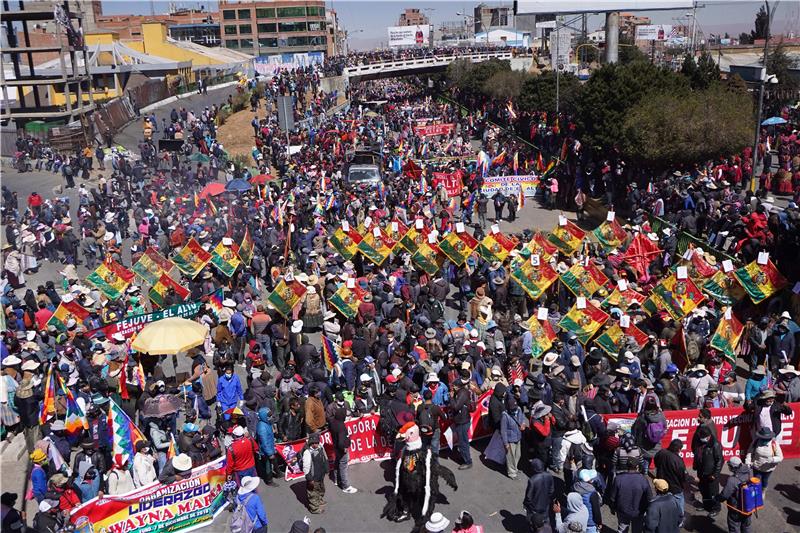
(238, 431)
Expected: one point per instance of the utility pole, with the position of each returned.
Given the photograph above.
(763, 81)
(556, 66)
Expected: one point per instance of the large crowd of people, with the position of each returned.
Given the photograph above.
(424, 342)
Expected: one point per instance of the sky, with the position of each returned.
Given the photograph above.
(366, 21)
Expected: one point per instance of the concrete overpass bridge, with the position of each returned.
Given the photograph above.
(402, 67)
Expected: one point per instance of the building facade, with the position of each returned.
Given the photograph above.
(130, 26)
(274, 27)
(412, 17)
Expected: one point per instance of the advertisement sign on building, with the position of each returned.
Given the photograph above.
(653, 32)
(409, 35)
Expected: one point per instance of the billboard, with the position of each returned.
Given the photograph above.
(653, 32)
(597, 6)
(409, 35)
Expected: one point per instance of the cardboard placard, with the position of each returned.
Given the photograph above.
(581, 303)
(682, 272)
(625, 321)
(345, 226)
(395, 227)
(562, 220)
(495, 228)
(367, 222)
(459, 227)
(535, 260)
(763, 258)
(351, 283)
(418, 223)
(610, 216)
(376, 231)
(727, 266)
(622, 284)
(541, 314)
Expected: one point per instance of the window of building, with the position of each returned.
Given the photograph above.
(297, 41)
(232, 43)
(315, 11)
(316, 26)
(265, 12)
(292, 26)
(269, 27)
(268, 42)
(244, 14)
(245, 29)
(317, 40)
(297, 11)
(246, 43)
(229, 14)
(230, 30)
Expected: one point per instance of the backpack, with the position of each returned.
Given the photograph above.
(240, 521)
(655, 431)
(387, 423)
(424, 417)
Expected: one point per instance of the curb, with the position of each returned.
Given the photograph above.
(177, 97)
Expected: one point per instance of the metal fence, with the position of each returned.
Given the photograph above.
(687, 239)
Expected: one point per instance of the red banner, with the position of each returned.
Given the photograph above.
(366, 444)
(434, 129)
(450, 180)
(734, 427)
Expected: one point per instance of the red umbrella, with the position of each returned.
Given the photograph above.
(261, 179)
(212, 189)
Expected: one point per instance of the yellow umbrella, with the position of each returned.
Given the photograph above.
(169, 336)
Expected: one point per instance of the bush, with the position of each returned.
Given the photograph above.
(539, 93)
(505, 84)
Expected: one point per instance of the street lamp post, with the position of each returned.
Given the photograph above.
(763, 79)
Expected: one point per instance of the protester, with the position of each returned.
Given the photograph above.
(664, 512)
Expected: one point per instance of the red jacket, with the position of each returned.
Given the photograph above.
(241, 455)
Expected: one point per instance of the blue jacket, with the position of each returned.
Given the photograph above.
(266, 438)
(39, 482)
(510, 426)
(441, 397)
(255, 509)
(229, 391)
(237, 324)
(753, 388)
(200, 403)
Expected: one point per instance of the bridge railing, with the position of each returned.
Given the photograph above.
(433, 61)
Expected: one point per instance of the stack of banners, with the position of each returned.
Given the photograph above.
(66, 310)
(225, 259)
(413, 237)
(567, 238)
(151, 265)
(510, 185)
(133, 324)
(451, 181)
(583, 322)
(533, 279)
(734, 427)
(640, 253)
(163, 286)
(760, 281)
(539, 245)
(615, 339)
(457, 246)
(678, 297)
(611, 235)
(724, 288)
(245, 250)
(623, 299)
(542, 335)
(584, 280)
(111, 279)
(428, 257)
(376, 245)
(185, 505)
(345, 241)
(496, 246)
(191, 259)
(347, 299)
(434, 129)
(367, 443)
(727, 335)
(287, 295)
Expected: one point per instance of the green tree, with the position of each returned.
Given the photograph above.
(673, 128)
(701, 73)
(505, 84)
(761, 25)
(780, 64)
(744, 38)
(471, 77)
(539, 93)
(629, 52)
(612, 91)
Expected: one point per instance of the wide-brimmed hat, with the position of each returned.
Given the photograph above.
(430, 333)
(788, 369)
(182, 462)
(227, 302)
(248, 485)
(540, 409)
(765, 433)
(432, 378)
(297, 326)
(624, 371)
(437, 523)
(766, 395)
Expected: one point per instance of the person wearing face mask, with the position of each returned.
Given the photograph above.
(708, 464)
(780, 345)
(764, 455)
(315, 468)
(88, 457)
(229, 390)
(572, 347)
(144, 470)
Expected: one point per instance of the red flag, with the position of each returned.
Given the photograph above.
(640, 253)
